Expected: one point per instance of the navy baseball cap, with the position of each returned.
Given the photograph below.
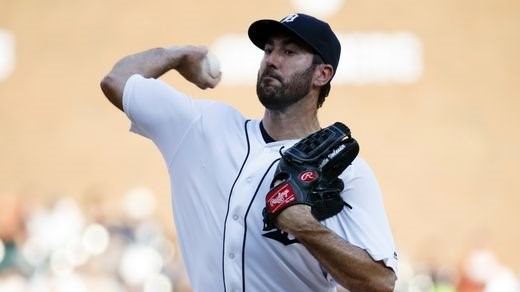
(312, 31)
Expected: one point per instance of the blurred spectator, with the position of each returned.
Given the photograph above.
(482, 271)
(12, 233)
(64, 245)
(93, 244)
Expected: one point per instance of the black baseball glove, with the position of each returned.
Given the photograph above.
(308, 174)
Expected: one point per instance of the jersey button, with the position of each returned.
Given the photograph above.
(235, 217)
(231, 255)
(249, 180)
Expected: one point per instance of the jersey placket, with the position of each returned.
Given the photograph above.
(243, 193)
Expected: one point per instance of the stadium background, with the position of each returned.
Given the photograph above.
(444, 144)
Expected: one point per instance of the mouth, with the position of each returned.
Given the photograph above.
(271, 75)
(270, 82)
(269, 79)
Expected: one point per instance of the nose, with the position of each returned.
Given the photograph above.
(272, 60)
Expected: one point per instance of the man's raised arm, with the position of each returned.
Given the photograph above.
(154, 63)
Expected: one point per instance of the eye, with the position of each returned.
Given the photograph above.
(289, 52)
(268, 49)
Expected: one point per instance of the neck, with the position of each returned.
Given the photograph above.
(297, 121)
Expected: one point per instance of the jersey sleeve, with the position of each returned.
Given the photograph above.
(366, 224)
(159, 112)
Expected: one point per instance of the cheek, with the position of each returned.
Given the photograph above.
(259, 74)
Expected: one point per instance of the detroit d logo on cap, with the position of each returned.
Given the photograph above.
(290, 18)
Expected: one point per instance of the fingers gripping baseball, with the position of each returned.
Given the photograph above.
(199, 66)
(210, 70)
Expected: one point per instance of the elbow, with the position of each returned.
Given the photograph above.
(381, 283)
(386, 283)
(107, 85)
(377, 286)
(390, 287)
(112, 90)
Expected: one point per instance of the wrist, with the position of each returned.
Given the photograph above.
(297, 220)
(173, 55)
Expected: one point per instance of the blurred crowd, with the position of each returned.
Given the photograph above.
(66, 244)
(478, 271)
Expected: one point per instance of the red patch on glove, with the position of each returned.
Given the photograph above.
(280, 197)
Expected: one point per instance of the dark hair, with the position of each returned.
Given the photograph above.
(325, 89)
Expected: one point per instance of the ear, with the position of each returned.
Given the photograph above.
(323, 74)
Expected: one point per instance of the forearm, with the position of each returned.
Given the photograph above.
(351, 266)
(151, 63)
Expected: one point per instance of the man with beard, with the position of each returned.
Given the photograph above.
(221, 165)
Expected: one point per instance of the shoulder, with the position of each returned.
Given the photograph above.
(216, 113)
(218, 109)
(360, 181)
(139, 83)
(358, 169)
(141, 92)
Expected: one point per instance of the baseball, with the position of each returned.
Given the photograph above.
(212, 65)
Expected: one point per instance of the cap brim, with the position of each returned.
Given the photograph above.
(261, 30)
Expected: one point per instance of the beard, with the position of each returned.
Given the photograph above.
(280, 96)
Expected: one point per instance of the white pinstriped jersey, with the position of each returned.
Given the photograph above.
(220, 169)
